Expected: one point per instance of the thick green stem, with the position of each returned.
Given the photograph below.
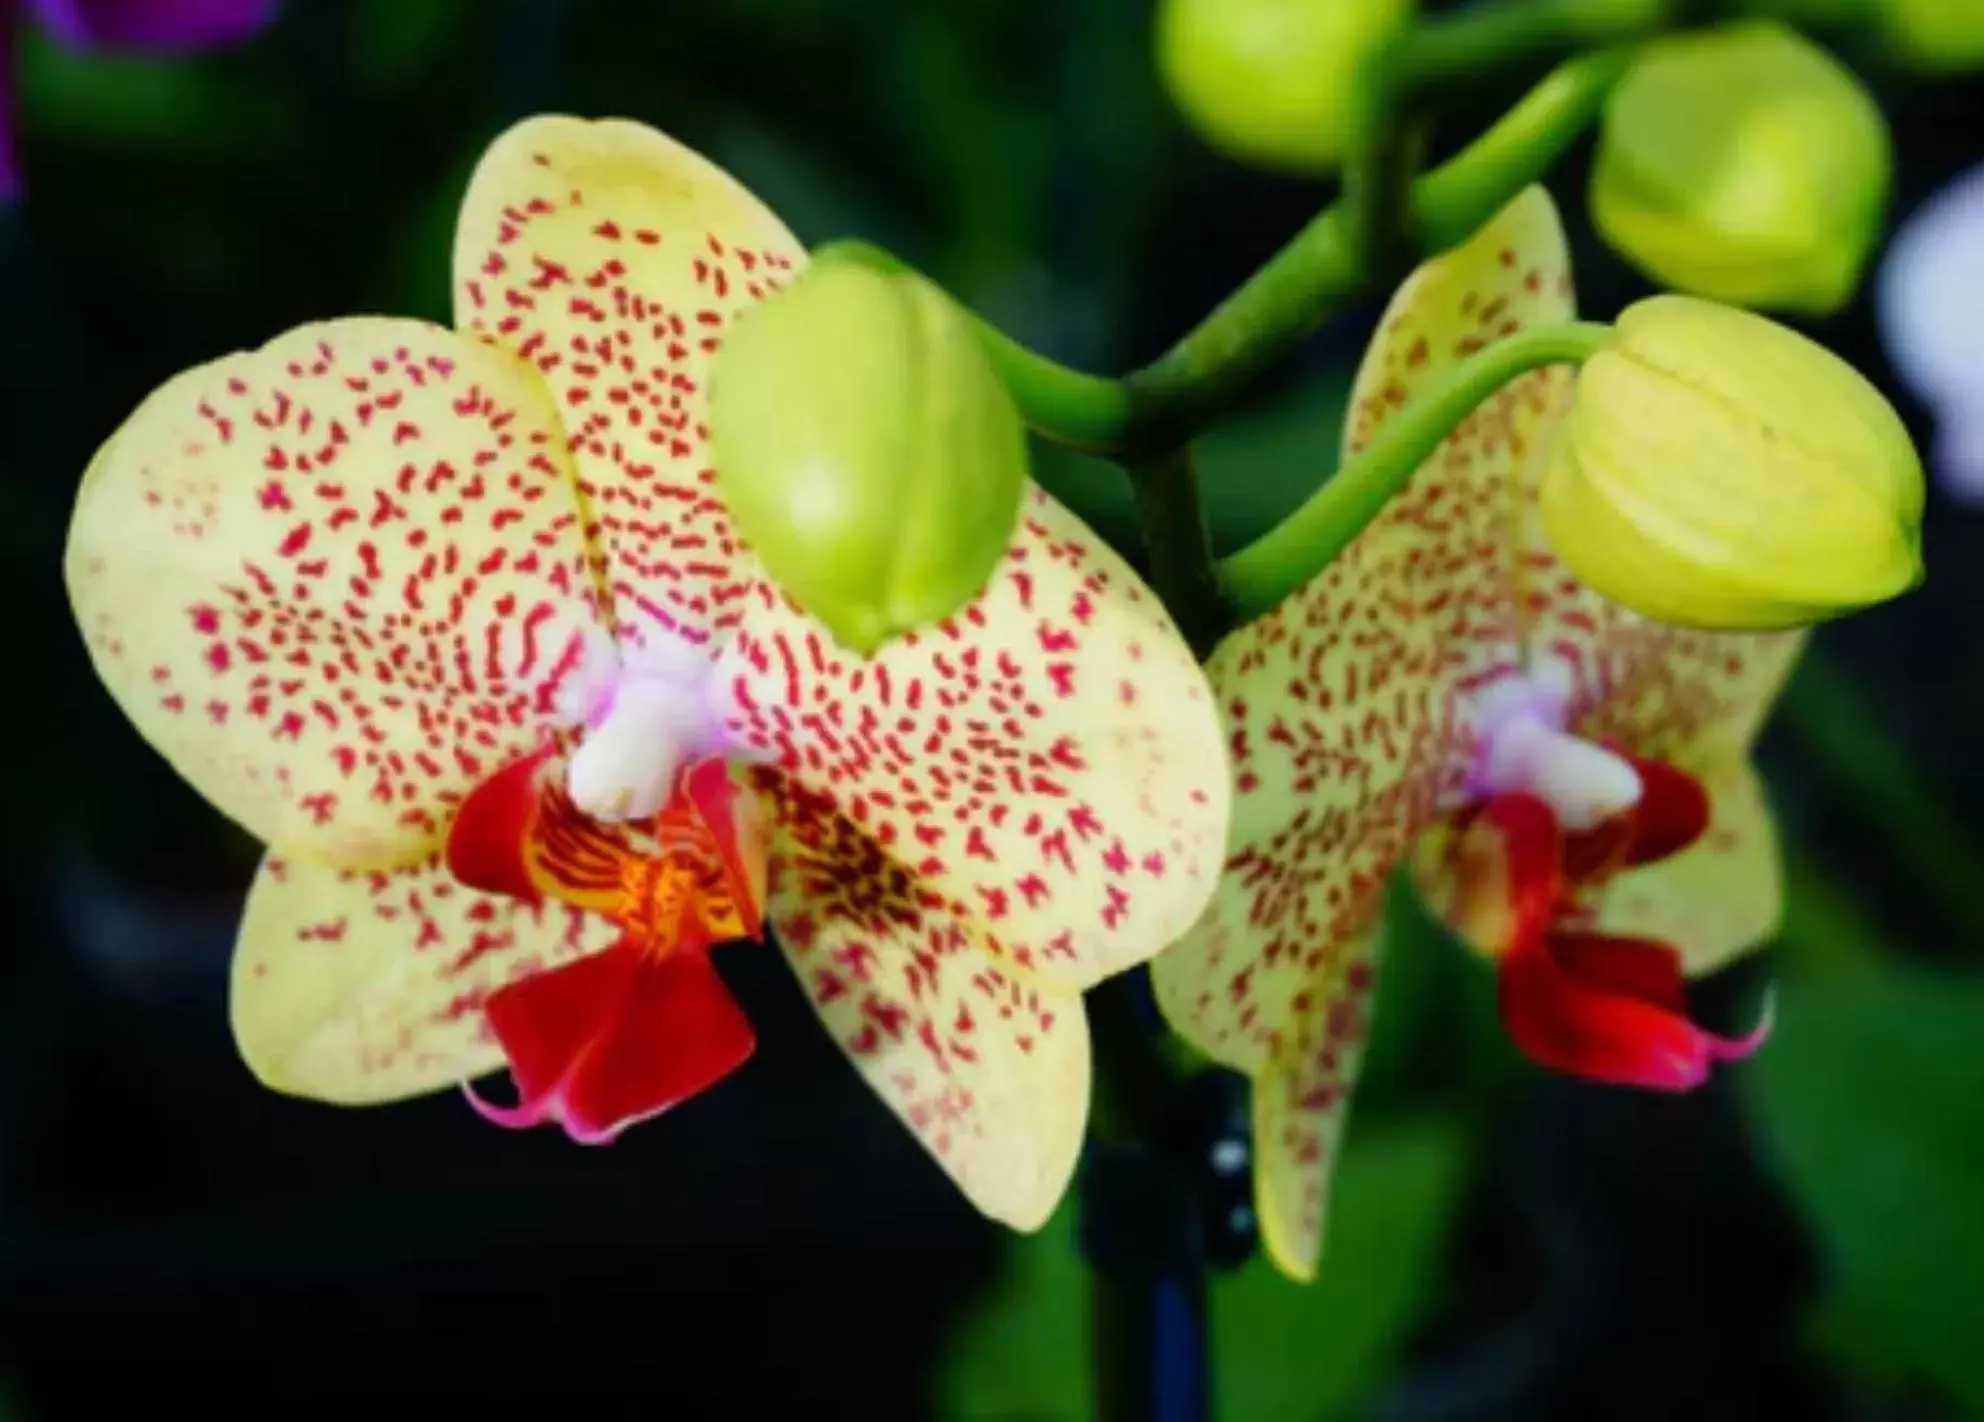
(1177, 546)
(1260, 575)
(1062, 403)
(1377, 179)
(1470, 45)
(1312, 277)
(1308, 281)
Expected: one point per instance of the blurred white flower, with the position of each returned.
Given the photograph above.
(1930, 302)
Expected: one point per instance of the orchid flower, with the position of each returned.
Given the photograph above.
(1931, 308)
(454, 623)
(1569, 780)
(145, 26)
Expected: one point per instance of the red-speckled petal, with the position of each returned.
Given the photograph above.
(1345, 710)
(614, 258)
(336, 581)
(1047, 764)
(356, 988)
(988, 1065)
(1300, 1105)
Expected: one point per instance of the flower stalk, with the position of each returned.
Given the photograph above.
(1260, 575)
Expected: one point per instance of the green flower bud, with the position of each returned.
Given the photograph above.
(866, 450)
(1718, 470)
(1274, 82)
(1943, 35)
(1744, 164)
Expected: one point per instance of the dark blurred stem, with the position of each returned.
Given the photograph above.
(1178, 547)
(1140, 1224)
(1150, 1349)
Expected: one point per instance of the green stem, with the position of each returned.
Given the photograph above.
(1469, 46)
(1312, 277)
(1178, 548)
(1452, 201)
(1260, 575)
(1062, 403)
(1377, 179)
(1308, 281)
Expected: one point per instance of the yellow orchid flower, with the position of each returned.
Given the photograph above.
(1570, 779)
(453, 622)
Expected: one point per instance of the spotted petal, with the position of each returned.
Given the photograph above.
(1301, 1101)
(987, 1064)
(336, 580)
(1047, 764)
(1346, 714)
(363, 987)
(614, 258)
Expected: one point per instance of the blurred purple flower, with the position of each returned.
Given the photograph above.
(132, 26)
(1930, 301)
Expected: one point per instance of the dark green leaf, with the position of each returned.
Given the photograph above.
(1869, 1099)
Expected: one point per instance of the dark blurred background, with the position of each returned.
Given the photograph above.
(1804, 1238)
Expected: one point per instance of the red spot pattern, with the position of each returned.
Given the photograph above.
(336, 664)
(988, 1066)
(966, 839)
(993, 756)
(1350, 711)
(414, 1027)
(619, 291)
(972, 827)
(1349, 714)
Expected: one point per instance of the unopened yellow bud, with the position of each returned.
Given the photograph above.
(1274, 82)
(1744, 164)
(1718, 470)
(867, 451)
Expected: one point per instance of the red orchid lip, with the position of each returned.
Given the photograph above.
(1609, 1009)
(1612, 1010)
(614, 1039)
(623, 1035)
